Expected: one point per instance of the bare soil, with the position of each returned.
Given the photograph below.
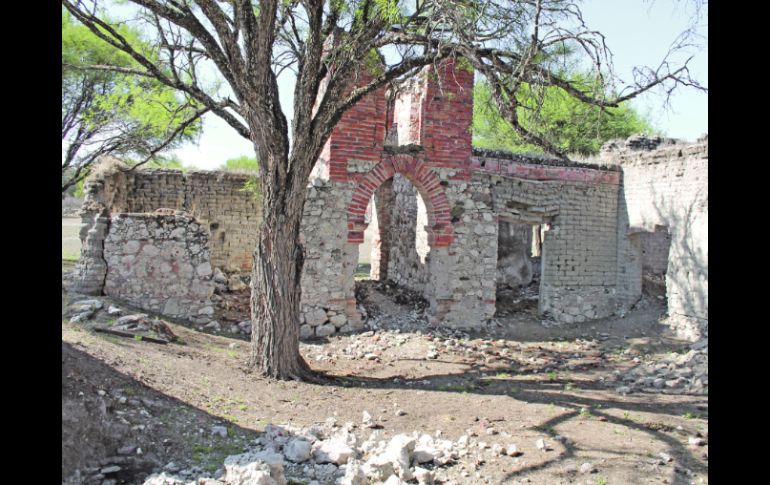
(526, 378)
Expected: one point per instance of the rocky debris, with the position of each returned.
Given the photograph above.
(696, 441)
(245, 327)
(254, 468)
(83, 310)
(219, 431)
(139, 325)
(235, 283)
(297, 450)
(332, 452)
(327, 454)
(685, 373)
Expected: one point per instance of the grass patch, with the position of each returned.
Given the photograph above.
(210, 458)
(70, 257)
(457, 387)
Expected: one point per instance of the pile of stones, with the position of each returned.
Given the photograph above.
(330, 454)
(676, 374)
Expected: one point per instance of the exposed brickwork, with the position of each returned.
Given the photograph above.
(215, 198)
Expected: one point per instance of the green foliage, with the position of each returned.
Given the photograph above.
(243, 163)
(570, 124)
(105, 112)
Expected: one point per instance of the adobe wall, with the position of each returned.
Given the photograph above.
(215, 198)
(666, 184)
(579, 206)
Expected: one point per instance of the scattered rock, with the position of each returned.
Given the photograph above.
(332, 452)
(512, 450)
(694, 440)
(297, 450)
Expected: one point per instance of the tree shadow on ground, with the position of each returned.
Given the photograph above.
(96, 423)
(550, 392)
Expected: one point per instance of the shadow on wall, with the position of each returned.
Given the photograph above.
(687, 272)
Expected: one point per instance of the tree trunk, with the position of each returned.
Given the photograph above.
(276, 293)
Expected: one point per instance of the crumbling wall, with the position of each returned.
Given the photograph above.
(160, 262)
(328, 300)
(666, 184)
(383, 203)
(217, 199)
(579, 204)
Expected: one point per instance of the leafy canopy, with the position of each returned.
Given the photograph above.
(573, 126)
(112, 113)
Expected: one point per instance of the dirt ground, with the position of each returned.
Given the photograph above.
(137, 406)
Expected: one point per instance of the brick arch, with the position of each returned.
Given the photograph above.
(425, 181)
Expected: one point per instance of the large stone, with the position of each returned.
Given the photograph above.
(297, 450)
(325, 330)
(305, 331)
(316, 317)
(354, 474)
(399, 452)
(332, 452)
(260, 468)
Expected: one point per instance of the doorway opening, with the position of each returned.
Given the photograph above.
(519, 268)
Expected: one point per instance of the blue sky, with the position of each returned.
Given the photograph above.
(637, 32)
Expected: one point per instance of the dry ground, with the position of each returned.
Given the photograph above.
(526, 381)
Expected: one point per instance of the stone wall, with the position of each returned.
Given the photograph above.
(217, 199)
(579, 205)
(668, 186)
(604, 222)
(160, 262)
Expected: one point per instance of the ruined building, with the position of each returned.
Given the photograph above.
(449, 217)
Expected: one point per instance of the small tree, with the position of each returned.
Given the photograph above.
(114, 113)
(328, 45)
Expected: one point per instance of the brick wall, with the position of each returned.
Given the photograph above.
(217, 199)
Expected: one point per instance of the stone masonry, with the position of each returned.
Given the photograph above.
(440, 206)
(160, 262)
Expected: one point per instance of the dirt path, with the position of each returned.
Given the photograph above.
(525, 381)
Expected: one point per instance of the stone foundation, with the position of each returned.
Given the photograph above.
(160, 263)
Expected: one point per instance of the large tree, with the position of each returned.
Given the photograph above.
(115, 113)
(250, 42)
